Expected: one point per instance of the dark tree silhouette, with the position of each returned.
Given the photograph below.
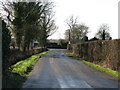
(110, 38)
(93, 39)
(6, 40)
(103, 32)
(85, 38)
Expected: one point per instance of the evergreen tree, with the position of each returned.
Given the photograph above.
(6, 40)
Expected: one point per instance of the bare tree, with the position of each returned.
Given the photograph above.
(76, 31)
(71, 22)
(103, 32)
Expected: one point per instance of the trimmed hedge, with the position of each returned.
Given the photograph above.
(105, 53)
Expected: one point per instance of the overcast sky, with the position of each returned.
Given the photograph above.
(92, 13)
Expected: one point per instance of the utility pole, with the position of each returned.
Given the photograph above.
(69, 36)
(69, 40)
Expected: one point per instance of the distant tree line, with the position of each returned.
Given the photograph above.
(61, 44)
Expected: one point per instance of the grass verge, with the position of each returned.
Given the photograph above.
(17, 73)
(98, 67)
(23, 67)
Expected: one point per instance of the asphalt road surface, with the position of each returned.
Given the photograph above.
(57, 70)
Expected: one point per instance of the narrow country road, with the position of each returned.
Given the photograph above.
(57, 70)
